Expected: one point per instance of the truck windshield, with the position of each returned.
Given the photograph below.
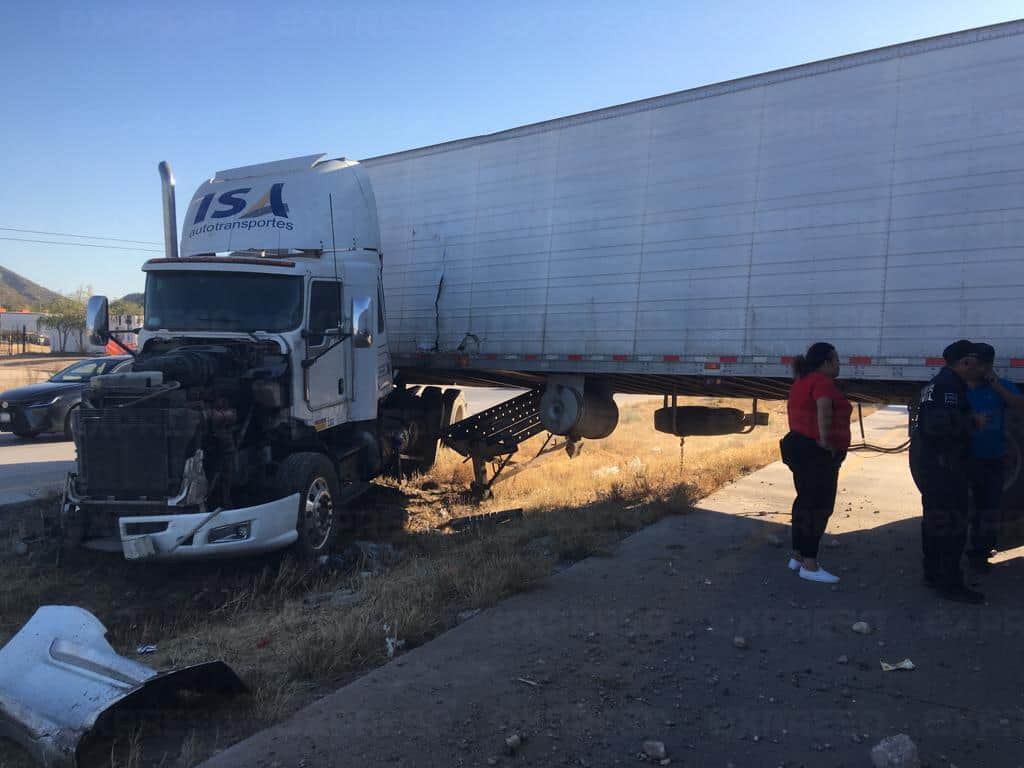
(222, 301)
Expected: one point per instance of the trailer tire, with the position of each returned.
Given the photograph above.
(318, 520)
(453, 408)
(428, 433)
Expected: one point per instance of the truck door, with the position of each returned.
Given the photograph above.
(326, 377)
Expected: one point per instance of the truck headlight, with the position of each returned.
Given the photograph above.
(233, 532)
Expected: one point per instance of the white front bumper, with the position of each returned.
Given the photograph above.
(271, 526)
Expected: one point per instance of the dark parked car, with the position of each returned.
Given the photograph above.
(46, 407)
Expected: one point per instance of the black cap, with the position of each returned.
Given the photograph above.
(985, 352)
(958, 350)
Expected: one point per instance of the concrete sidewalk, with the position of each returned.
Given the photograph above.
(640, 645)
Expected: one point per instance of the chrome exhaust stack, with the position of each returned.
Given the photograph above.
(170, 213)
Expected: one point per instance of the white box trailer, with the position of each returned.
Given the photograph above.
(874, 200)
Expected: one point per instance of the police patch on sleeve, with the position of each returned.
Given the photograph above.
(952, 399)
(926, 393)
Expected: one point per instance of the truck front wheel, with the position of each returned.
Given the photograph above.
(312, 476)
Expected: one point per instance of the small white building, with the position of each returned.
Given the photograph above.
(13, 323)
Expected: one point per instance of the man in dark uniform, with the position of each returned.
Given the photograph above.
(939, 463)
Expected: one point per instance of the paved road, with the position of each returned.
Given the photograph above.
(29, 468)
(640, 646)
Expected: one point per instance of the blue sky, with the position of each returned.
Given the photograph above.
(95, 94)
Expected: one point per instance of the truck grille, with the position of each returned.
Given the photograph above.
(129, 453)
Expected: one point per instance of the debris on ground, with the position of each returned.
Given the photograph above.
(391, 642)
(489, 518)
(513, 742)
(338, 598)
(59, 674)
(740, 642)
(898, 751)
(775, 540)
(844, 659)
(145, 650)
(905, 664)
(655, 750)
(862, 628)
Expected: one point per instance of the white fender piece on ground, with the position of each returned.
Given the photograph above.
(59, 675)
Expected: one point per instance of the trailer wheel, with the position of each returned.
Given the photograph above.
(453, 408)
(312, 476)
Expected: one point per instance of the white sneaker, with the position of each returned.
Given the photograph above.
(820, 575)
(794, 564)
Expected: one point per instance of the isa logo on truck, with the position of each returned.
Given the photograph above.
(268, 211)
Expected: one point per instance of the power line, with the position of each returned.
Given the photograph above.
(83, 245)
(84, 237)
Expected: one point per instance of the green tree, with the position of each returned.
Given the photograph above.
(66, 315)
(125, 307)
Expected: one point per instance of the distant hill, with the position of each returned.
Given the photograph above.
(17, 292)
(135, 298)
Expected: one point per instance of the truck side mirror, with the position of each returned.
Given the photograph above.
(362, 322)
(97, 320)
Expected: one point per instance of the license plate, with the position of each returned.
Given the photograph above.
(5, 418)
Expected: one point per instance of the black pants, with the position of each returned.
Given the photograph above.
(986, 479)
(816, 477)
(942, 481)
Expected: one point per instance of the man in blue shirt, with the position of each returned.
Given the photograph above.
(990, 396)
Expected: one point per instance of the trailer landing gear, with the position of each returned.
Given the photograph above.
(491, 438)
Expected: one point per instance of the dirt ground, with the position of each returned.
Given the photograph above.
(22, 370)
(693, 633)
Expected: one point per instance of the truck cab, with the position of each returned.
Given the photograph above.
(261, 400)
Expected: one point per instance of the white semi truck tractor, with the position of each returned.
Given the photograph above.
(307, 334)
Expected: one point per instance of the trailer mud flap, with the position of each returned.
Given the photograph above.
(58, 676)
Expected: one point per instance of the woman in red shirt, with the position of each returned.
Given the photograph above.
(814, 449)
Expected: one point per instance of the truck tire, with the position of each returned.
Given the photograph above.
(313, 477)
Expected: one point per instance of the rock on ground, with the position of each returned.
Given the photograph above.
(898, 751)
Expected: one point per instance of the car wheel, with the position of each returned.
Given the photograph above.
(69, 423)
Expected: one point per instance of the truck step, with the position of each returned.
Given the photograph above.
(498, 431)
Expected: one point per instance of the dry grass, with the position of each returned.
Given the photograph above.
(289, 648)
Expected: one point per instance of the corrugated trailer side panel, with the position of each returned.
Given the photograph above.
(876, 200)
